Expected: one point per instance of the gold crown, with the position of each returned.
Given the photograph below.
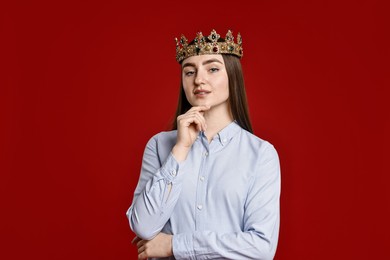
(212, 44)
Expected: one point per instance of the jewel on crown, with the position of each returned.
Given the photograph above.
(212, 44)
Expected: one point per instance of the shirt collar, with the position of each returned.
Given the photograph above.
(226, 134)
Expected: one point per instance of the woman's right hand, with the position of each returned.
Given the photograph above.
(188, 127)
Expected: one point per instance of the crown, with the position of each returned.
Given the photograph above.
(212, 44)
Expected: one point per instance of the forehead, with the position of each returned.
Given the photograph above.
(199, 59)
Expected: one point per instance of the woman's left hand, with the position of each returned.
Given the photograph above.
(159, 246)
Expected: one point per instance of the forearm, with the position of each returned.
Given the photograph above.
(154, 202)
(159, 246)
(180, 152)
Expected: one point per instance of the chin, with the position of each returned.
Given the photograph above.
(200, 103)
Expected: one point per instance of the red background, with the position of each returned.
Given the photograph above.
(85, 84)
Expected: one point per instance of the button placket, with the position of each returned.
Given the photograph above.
(201, 188)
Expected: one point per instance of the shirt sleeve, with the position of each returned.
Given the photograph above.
(258, 239)
(156, 194)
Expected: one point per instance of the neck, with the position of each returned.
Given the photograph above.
(217, 118)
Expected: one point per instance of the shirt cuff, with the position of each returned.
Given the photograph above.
(172, 171)
(183, 246)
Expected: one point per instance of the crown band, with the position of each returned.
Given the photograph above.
(212, 44)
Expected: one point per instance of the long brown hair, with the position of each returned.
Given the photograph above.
(237, 95)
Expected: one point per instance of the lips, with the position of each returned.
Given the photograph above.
(201, 92)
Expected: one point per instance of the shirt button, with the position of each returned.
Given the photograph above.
(200, 207)
(206, 154)
(173, 173)
(224, 140)
(201, 178)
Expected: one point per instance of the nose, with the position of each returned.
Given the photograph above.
(199, 78)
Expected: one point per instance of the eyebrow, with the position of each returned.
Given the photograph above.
(190, 64)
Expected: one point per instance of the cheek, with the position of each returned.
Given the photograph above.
(187, 90)
(227, 93)
(225, 87)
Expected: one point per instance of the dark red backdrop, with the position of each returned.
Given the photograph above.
(84, 85)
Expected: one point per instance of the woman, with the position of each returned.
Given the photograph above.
(209, 189)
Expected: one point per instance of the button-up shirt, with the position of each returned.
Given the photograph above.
(222, 202)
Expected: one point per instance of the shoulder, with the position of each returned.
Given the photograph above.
(160, 145)
(165, 138)
(257, 144)
(266, 157)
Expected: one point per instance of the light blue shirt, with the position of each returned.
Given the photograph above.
(222, 202)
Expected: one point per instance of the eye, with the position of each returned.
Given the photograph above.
(214, 70)
(189, 73)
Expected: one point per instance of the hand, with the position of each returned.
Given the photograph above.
(188, 127)
(159, 246)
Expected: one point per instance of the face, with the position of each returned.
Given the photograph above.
(205, 80)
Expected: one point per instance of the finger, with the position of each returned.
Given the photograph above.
(141, 243)
(199, 108)
(191, 114)
(135, 240)
(187, 120)
(199, 117)
(197, 122)
(195, 113)
(141, 249)
(142, 256)
(194, 110)
(202, 121)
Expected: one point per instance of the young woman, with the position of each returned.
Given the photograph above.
(209, 189)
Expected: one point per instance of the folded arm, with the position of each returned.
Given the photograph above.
(156, 193)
